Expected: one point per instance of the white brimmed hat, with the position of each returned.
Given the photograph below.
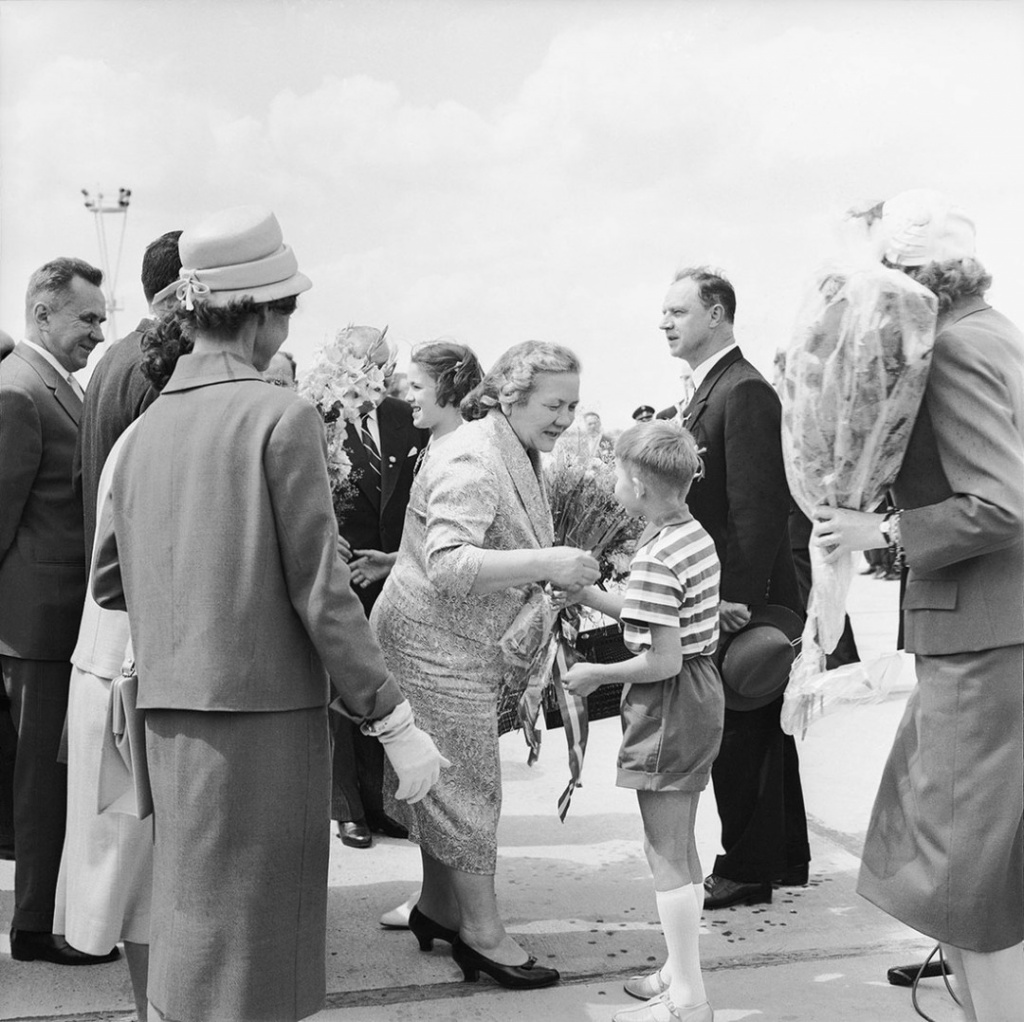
(922, 226)
(236, 253)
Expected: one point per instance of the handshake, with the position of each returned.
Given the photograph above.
(411, 752)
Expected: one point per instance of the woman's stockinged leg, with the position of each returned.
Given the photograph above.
(668, 840)
(437, 899)
(137, 956)
(990, 985)
(480, 925)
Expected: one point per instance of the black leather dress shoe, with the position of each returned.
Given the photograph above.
(904, 975)
(721, 893)
(794, 876)
(388, 827)
(527, 976)
(31, 946)
(355, 834)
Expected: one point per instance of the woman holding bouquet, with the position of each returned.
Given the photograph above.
(944, 852)
(477, 542)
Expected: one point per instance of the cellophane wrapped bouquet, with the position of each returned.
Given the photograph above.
(540, 644)
(339, 383)
(854, 379)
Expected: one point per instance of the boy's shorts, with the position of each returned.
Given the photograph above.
(671, 729)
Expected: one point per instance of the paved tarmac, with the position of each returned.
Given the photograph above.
(579, 896)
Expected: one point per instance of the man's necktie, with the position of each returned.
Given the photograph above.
(75, 386)
(372, 451)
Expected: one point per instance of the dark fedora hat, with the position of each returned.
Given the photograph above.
(755, 661)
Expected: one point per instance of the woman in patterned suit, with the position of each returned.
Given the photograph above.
(477, 541)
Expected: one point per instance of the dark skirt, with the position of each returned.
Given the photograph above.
(242, 841)
(944, 851)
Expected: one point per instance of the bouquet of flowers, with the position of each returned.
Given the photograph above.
(340, 383)
(541, 642)
(854, 378)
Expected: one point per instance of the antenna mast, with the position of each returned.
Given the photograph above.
(99, 210)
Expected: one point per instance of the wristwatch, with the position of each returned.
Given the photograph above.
(885, 527)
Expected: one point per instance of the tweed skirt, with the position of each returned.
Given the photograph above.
(944, 851)
(106, 871)
(452, 686)
(241, 805)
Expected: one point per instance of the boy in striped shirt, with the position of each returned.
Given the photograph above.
(672, 702)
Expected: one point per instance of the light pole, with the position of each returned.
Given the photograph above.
(100, 209)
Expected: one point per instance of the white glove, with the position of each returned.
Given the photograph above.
(412, 752)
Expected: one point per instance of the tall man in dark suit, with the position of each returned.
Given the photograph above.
(383, 449)
(42, 578)
(743, 502)
(118, 392)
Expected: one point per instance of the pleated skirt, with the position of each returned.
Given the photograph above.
(242, 831)
(106, 871)
(944, 851)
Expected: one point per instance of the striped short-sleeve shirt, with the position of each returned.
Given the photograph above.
(673, 580)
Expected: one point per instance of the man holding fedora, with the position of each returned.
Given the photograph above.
(743, 502)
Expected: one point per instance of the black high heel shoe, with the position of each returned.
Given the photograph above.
(427, 931)
(515, 977)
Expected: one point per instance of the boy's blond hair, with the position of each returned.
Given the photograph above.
(661, 453)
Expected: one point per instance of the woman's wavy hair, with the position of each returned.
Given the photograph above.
(950, 280)
(514, 376)
(453, 367)
(174, 333)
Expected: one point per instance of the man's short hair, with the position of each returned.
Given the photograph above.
(663, 453)
(160, 264)
(290, 359)
(52, 281)
(713, 288)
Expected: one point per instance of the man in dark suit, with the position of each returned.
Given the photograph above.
(118, 392)
(42, 578)
(383, 449)
(743, 502)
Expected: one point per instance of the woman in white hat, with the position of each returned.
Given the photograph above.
(220, 541)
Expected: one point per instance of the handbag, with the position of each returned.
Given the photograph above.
(124, 770)
(597, 646)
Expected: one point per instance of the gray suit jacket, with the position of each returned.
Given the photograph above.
(962, 488)
(220, 540)
(42, 559)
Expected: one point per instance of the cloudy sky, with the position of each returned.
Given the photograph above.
(499, 170)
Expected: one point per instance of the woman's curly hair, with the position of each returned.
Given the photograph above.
(452, 366)
(174, 333)
(514, 375)
(950, 280)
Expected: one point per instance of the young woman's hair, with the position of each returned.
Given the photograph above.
(174, 333)
(661, 452)
(514, 375)
(452, 366)
(951, 280)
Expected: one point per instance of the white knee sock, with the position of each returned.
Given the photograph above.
(680, 920)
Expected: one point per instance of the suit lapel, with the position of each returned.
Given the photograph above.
(699, 401)
(524, 468)
(65, 396)
(393, 449)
